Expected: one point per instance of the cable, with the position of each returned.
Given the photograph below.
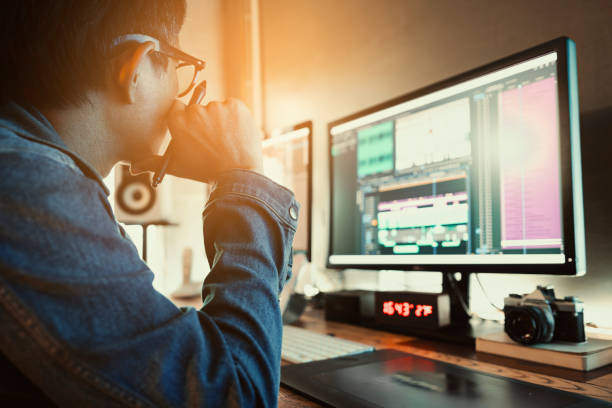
(451, 280)
(484, 292)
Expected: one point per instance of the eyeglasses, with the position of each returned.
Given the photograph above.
(188, 67)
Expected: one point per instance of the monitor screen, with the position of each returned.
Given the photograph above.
(470, 174)
(287, 161)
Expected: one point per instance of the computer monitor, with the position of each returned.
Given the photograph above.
(288, 161)
(477, 173)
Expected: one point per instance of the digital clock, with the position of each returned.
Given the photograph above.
(415, 309)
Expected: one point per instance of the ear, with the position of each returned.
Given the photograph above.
(128, 74)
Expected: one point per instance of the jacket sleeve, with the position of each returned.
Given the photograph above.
(248, 233)
(81, 320)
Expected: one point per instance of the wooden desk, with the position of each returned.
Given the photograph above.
(597, 383)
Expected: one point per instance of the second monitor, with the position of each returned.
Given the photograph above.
(288, 161)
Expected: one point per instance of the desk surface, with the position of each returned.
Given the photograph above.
(597, 383)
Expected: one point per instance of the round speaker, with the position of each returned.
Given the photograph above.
(135, 196)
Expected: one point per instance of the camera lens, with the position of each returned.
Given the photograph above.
(529, 325)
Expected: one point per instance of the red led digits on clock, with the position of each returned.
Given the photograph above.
(406, 309)
(403, 309)
(423, 310)
(388, 308)
(398, 308)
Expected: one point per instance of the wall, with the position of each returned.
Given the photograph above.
(241, 53)
(322, 60)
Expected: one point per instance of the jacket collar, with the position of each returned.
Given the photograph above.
(29, 123)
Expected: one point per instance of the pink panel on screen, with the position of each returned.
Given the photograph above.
(529, 166)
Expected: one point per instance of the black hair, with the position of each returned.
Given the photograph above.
(53, 52)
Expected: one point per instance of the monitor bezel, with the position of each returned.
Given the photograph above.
(571, 265)
(302, 125)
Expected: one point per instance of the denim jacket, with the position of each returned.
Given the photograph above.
(80, 323)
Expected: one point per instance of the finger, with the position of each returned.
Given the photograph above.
(177, 106)
(176, 115)
(151, 164)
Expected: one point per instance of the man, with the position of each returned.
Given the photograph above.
(86, 84)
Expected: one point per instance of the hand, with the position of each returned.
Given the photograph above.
(207, 140)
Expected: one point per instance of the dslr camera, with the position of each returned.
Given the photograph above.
(538, 317)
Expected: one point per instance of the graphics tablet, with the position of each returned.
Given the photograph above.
(391, 378)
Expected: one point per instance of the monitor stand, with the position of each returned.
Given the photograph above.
(463, 328)
(457, 287)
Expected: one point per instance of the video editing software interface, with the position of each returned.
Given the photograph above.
(467, 174)
(286, 161)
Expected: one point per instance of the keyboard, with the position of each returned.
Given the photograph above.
(302, 346)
